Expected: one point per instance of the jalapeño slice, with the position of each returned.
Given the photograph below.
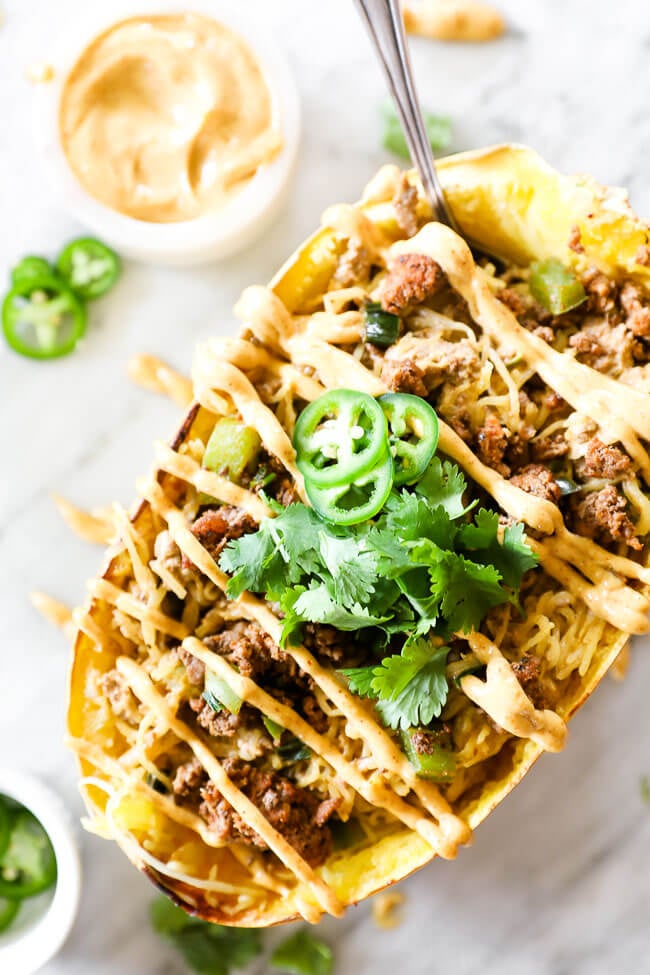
(339, 437)
(356, 501)
(42, 318)
(412, 434)
(8, 910)
(28, 866)
(89, 267)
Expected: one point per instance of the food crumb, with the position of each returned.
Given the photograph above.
(40, 73)
(620, 666)
(453, 20)
(644, 789)
(385, 910)
(54, 612)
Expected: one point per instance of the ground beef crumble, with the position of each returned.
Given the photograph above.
(411, 280)
(603, 460)
(298, 814)
(427, 741)
(217, 526)
(331, 646)
(403, 377)
(405, 202)
(538, 479)
(354, 264)
(601, 515)
(550, 447)
(252, 651)
(492, 442)
(527, 671)
(115, 687)
(188, 779)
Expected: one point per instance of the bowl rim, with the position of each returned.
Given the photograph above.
(37, 944)
(220, 232)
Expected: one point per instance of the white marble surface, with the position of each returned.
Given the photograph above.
(558, 881)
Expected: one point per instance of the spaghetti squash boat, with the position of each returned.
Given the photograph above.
(397, 542)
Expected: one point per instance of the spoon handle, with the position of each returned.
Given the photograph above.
(383, 19)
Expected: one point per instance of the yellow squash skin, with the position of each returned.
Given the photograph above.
(511, 203)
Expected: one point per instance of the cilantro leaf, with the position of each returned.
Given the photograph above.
(415, 518)
(303, 954)
(444, 484)
(247, 560)
(394, 557)
(516, 556)
(411, 686)
(512, 557)
(466, 590)
(352, 570)
(317, 606)
(421, 565)
(360, 680)
(438, 129)
(208, 949)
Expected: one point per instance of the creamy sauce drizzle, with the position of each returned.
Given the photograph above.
(233, 382)
(613, 405)
(373, 791)
(501, 696)
(453, 831)
(145, 691)
(157, 376)
(182, 466)
(220, 383)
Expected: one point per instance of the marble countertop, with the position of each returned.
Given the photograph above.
(558, 880)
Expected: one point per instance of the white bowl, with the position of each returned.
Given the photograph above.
(44, 922)
(205, 238)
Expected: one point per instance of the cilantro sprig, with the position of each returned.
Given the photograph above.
(429, 565)
(208, 949)
(212, 949)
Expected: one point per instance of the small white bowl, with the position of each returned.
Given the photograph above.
(44, 922)
(205, 238)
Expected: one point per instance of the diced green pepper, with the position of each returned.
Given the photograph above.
(555, 286)
(219, 694)
(274, 729)
(382, 328)
(232, 449)
(438, 764)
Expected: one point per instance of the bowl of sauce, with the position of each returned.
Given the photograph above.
(171, 133)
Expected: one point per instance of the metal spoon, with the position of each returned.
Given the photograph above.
(383, 19)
